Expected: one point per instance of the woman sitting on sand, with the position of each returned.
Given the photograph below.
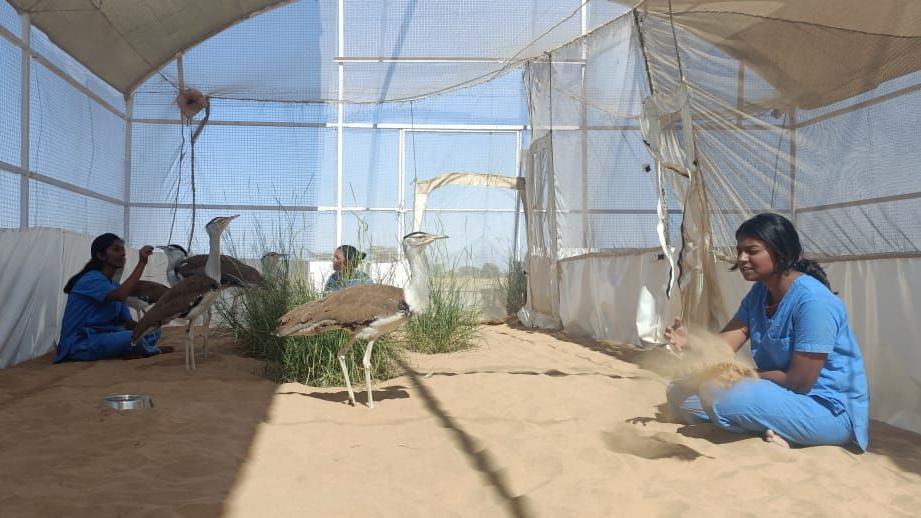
(812, 388)
(345, 274)
(97, 323)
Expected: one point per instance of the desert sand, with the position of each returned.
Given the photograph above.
(526, 424)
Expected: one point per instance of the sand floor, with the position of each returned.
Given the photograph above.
(527, 424)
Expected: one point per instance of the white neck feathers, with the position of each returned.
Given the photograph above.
(417, 289)
(213, 264)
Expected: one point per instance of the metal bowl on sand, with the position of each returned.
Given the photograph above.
(127, 402)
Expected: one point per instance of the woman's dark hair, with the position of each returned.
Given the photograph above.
(352, 255)
(781, 237)
(99, 247)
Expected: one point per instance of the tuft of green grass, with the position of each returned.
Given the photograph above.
(515, 285)
(449, 325)
(303, 359)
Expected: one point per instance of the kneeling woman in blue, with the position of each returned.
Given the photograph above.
(812, 387)
(96, 323)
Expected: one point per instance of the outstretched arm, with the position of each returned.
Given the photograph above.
(734, 334)
(127, 287)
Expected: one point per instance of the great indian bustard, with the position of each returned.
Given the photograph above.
(366, 312)
(234, 274)
(192, 296)
(145, 294)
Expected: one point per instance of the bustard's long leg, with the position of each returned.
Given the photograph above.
(190, 345)
(188, 338)
(367, 365)
(345, 370)
(206, 320)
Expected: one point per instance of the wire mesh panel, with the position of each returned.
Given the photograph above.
(9, 200)
(76, 71)
(370, 168)
(9, 20)
(499, 101)
(431, 154)
(73, 138)
(376, 233)
(283, 54)
(251, 235)
(51, 206)
(10, 102)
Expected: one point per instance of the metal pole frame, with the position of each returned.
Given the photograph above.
(24, 122)
(129, 109)
(339, 121)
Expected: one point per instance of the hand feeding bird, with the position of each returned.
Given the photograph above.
(366, 312)
(192, 296)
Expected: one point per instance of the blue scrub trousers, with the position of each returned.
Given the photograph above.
(103, 344)
(753, 406)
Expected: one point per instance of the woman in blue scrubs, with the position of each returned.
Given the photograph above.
(812, 387)
(97, 323)
(346, 274)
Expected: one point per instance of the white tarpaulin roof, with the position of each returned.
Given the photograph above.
(124, 41)
(813, 52)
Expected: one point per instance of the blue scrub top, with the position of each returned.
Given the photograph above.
(87, 311)
(812, 319)
(337, 282)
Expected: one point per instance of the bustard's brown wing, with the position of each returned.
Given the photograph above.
(176, 302)
(349, 308)
(233, 271)
(149, 291)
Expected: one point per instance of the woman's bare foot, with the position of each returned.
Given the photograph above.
(770, 436)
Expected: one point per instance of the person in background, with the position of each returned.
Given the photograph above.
(812, 387)
(346, 260)
(96, 323)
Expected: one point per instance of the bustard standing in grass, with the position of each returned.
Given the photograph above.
(366, 312)
(234, 274)
(192, 296)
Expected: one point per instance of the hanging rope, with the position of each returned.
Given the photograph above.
(172, 225)
(190, 102)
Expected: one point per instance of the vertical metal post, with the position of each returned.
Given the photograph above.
(126, 197)
(793, 165)
(180, 71)
(401, 186)
(583, 124)
(339, 121)
(24, 127)
(516, 241)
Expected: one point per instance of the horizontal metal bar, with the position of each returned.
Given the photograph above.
(857, 203)
(60, 73)
(214, 206)
(5, 166)
(862, 104)
(213, 122)
(67, 186)
(611, 252)
(866, 257)
(499, 128)
(441, 59)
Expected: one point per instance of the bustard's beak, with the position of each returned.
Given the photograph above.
(161, 247)
(436, 238)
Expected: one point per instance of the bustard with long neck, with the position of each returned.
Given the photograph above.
(145, 294)
(234, 274)
(191, 297)
(366, 312)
